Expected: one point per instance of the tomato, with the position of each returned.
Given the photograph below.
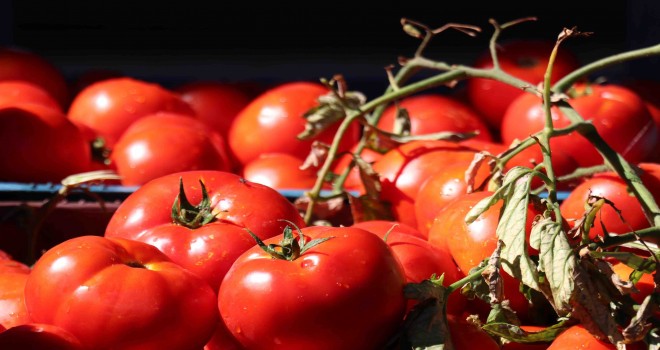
(16, 64)
(108, 107)
(402, 171)
(562, 164)
(523, 59)
(440, 189)
(645, 286)
(42, 145)
(206, 249)
(471, 244)
(465, 335)
(648, 90)
(166, 143)
(129, 294)
(577, 337)
(13, 276)
(271, 122)
(38, 336)
(16, 91)
(526, 346)
(386, 225)
(610, 186)
(222, 339)
(432, 113)
(280, 171)
(344, 293)
(216, 104)
(419, 258)
(618, 114)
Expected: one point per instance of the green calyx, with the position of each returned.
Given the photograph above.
(289, 248)
(191, 216)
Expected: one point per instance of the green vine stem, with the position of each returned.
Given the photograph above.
(475, 275)
(457, 72)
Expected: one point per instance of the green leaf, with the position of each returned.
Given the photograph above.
(518, 335)
(425, 326)
(558, 261)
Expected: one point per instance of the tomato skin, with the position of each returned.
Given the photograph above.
(609, 185)
(465, 335)
(222, 339)
(431, 113)
(271, 122)
(108, 107)
(16, 64)
(215, 104)
(38, 336)
(524, 59)
(403, 170)
(13, 276)
(280, 171)
(577, 337)
(618, 114)
(645, 286)
(420, 260)
(353, 181)
(378, 226)
(334, 294)
(45, 145)
(17, 91)
(157, 305)
(166, 143)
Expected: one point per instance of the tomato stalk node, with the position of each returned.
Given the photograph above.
(191, 216)
(289, 248)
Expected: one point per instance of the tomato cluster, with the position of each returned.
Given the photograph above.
(208, 254)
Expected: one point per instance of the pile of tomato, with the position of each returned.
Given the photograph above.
(207, 253)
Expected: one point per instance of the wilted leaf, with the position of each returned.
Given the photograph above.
(425, 326)
(557, 260)
(516, 334)
(493, 277)
(401, 122)
(639, 325)
(502, 313)
(369, 177)
(365, 208)
(383, 141)
(317, 155)
(473, 168)
(332, 108)
(477, 288)
(323, 209)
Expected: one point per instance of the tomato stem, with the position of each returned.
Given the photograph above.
(191, 216)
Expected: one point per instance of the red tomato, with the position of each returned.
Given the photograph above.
(440, 189)
(578, 338)
(403, 170)
(129, 294)
(271, 122)
(527, 346)
(648, 90)
(344, 293)
(38, 336)
(107, 108)
(618, 114)
(222, 339)
(420, 259)
(645, 286)
(42, 145)
(465, 335)
(471, 244)
(216, 104)
(523, 59)
(280, 171)
(431, 113)
(386, 225)
(13, 276)
(166, 143)
(609, 185)
(210, 249)
(17, 92)
(28, 66)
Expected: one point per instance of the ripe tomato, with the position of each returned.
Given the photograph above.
(402, 171)
(431, 113)
(420, 259)
(471, 244)
(166, 143)
(107, 108)
(578, 338)
(645, 286)
(209, 249)
(280, 171)
(440, 189)
(344, 293)
(524, 59)
(386, 225)
(216, 104)
(16, 91)
(465, 335)
(353, 181)
(13, 276)
(610, 186)
(271, 122)
(38, 336)
(618, 114)
(45, 145)
(29, 66)
(130, 295)
(222, 339)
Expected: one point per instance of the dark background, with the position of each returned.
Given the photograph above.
(265, 41)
